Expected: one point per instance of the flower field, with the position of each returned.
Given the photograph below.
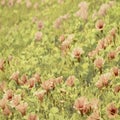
(59, 59)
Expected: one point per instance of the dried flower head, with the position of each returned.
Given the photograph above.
(112, 110)
(100, 24)
(32, 117)
(70, 81)
(99, 62)
(82, 105)
(38, 36)
(22, 108)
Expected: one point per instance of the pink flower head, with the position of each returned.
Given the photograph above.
(99, 25)
(112, 55)
(37, 77)
(22, 108)
(99, 62)
(8, 94)
(15, 76)
(38, 36)
(32, 117)
(2, 2)
(61, 38)
(70, 81)
(31, 82)
(48, 85)
(3, 103)
(28, 3)
(40, 25)
(23, 79)
(77, 52)
(83, 5)
(115, 71)
(15, 100)
(7, 111)
(82, 105)
(112, 110)
(40, 95)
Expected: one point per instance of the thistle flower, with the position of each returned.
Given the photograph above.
(70, 81)
(7, 111)
(32, 117)
(31, 82)
(38, 36)
(112, 110)
(3, 103)
(58, 80)
(3, 2)
(77, 52)
(48, 85)
(82, 105)
(40, 95)
(10, 3)
(103, 9)
(117, 88)
(115, 71)
(8, 94)
(15, 100)
(23, 79)
(99, 25)
(15, 76)
(40, 25)
(58, 22)
(103, 80)
(2, 62)
(2, 86)
(94, 116)
(112, 55)
(61, 38)
(113, 32)
(37, 77)
(28, 4)
(22, 108)
(99, 62)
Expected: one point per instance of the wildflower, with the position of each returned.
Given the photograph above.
(112, 55)
(37, 77)
(15, 76)
(23, 79)
(99, 25)
(58, 22)
(7, 111)
(117, 88)
(28, 4)
(99, 62)
(103, 9)
(3, 103)
(58, 80)
(115, 71)
(40, 25)
(2, 62)
(15, 100)
(83, 5)
(2, 86)
(112, 110)
(113, 32)
(77, 52)
(10, 3)
(32, 117)
(94, 116)
(31, 82)
(48, 85)
(3, 2)
(92, 54)
(40, 95)
(38, 36)
(8, 94)
(61, 38)
(82, 105)
(70, 81)
(22, 108)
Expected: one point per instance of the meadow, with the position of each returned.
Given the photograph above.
(59, 59)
